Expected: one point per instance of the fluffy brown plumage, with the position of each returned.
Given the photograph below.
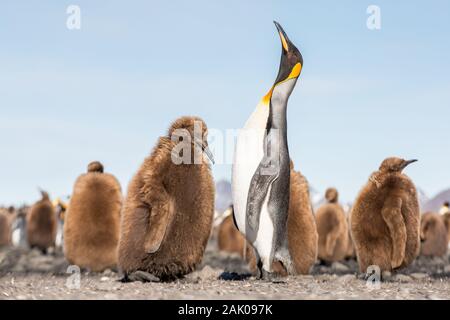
(332, 228)
(433, 235)
(168, 212)
(6, 219)
(92, 222)
(230, 240)
(446, 218)
(302, 232)
(350, 253)
(386, 219)
(42, 224)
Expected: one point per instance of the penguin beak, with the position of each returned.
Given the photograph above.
(291, 59)
(408, 162)
(285, 42)
(206, 150)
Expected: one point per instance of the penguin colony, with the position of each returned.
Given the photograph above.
(160, 230)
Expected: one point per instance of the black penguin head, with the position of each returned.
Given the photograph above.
(291, 64)
(95, 166)
(395, 164)
(291, 59)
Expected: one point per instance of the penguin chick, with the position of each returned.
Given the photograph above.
(6, 219)
(169, 208)
(350, 252)
(301, 224)
(433, 235)
(230, 240)
(92, 222)
(446, 218)
(332, 228)
(386, 218)
(41, 224)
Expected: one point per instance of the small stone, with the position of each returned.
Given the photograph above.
(104, 279)
(418, 275)
(347, 278)
(339, 267)
(401, 278)
(206, 273)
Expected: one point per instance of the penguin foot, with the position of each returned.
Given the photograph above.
(142, 276)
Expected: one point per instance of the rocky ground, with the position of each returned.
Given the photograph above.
(26, 274)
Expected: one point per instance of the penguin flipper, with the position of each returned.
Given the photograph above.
(392, 215)
(259, 187)
(160, 216)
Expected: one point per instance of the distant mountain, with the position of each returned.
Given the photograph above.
(434, 204)
(223, 195)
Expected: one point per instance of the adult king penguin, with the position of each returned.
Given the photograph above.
(261, 168)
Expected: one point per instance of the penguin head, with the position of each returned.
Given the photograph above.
(44, 194)
(197, 130)
(331, 195)
(394, 164)
(291, 64)
(95, 166)
(291, 59)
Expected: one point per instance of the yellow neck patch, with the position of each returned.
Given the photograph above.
(266, 98)
(295, 71)
(294, 74)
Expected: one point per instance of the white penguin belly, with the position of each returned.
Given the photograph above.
(248, 154)
(264, 237)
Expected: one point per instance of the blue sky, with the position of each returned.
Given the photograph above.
(107, 91)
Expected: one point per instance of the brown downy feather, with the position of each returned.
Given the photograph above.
(433, 235)
(168, 211)
(92, 222)
(332, 229)
(42, 224)
(446, 218)
(385, 219)
(350, 253)
(6, 219)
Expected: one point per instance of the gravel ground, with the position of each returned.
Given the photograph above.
(26, 274)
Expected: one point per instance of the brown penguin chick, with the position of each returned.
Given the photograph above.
(446, 218)
(332, 228)
(433, 235)
(301, 224)
(386, 218)
(229, 239)
(92, 222)
(169, 208)
(41, 224)
(7, 217)
(350, 253)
